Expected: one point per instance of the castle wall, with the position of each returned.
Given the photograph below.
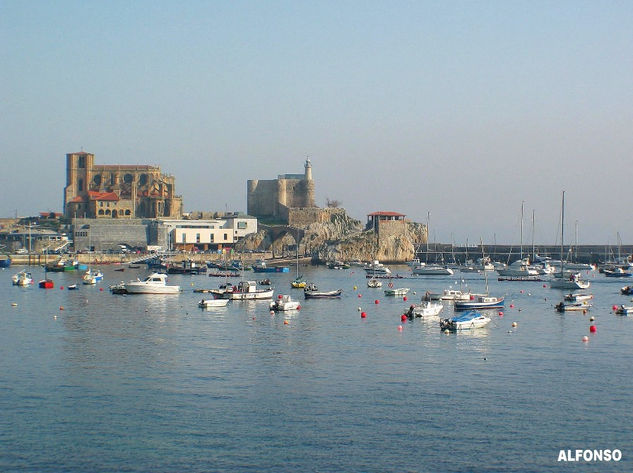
(262, 198)
(389, 228)
(299, 217)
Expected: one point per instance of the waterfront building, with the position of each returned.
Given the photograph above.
(118, 191)
(166, 234)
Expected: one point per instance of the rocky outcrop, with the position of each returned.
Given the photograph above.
(340, 239)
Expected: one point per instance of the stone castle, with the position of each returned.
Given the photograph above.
(118, 191)
(287, 198)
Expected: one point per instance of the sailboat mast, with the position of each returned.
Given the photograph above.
(562, 234)
(521, 236)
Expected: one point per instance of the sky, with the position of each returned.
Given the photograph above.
(457, 112)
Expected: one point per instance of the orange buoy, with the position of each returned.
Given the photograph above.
(285, 322)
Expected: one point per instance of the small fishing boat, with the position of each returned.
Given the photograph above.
(397, 291)
(261, 267)
(283, 303)
(118, 288)
(120, 269)
(311, 291)
(298, 283)
(92, 277)
(23, 278)
(206, 303)
(627, 290)
(480, 301)
(425, 309)
(265, 282)
(374, 283)
(466, 321)
(46, 284)
(581, 306)
(617, 273)
(580, 297)
(247, 290)
(72, 287)
(624, 310)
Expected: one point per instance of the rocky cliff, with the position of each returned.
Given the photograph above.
(341, 239)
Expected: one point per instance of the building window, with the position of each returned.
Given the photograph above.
(184, 238)
(100, 211)
(226, 236)
(127, 212)
(197, 238)
(212, 237)
(241, 225)
(128, 178)
(80, 185)
(82, 162)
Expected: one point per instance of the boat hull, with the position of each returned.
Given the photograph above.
(322, 295)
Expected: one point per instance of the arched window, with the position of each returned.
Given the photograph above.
(97, 179)
(80, 185)
(114, 214)
(100, 211)
(127, 212)
(107, 212)
(128, 178)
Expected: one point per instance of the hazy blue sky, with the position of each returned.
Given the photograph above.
(461, 109)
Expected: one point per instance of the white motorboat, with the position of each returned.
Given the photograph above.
(466, 321)
(447, 295)
(425, 309)
(519, 268)
(397, 291)
(23, 278)
(206, 303)
(376, 268)
(283, 303)
(247, 290)
(423, 269)
(155, 283)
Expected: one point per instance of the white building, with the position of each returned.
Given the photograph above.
(209, 233)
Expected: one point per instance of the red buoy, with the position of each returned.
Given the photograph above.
(363, 315)
(592, 329)
(376, 301)
(614, 307)
(404, 298)
(403, 317)
(61, 287)
(279, 296)
(298, 307)
(500, 313)
(360, 295)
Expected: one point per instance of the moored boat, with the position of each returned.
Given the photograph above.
(617, 273)
(374, 283)
(425, 309)
(206, 303)
(311, 291)
(283, 303)
(155, 283)
(580, 297)
(624, 310)
(480, 301)
(92, 277)
(448, 295)
(46, 284)
(377, 269)
(466, 321)
(423, 269)
(627, 290)
(23, 278)
(261, 267)
(247, 290)
(581, 306)
(397, 291)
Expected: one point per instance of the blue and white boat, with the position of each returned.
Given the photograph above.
(480, 301)
(617, 273)
(466, 321)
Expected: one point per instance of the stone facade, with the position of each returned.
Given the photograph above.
(273, 198)
(118, 191)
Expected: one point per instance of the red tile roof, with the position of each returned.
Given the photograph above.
(386, 214)
(111, 196)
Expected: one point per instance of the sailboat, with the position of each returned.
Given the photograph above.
(91, 276)
(426, 269)
(298, 283)
(561, 280)
(480, 301)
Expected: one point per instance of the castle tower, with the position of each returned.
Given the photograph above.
(308, 170)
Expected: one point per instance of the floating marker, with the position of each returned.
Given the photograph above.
(360, 295)
(376, 301)
(403, 317)
(404, 298)
(514, 324)
(400, 328)
(585, 338)
(593, 329)
(355, 288)
(61, 288)
(14, 304)
(285, 322)
(61, 307)
(500, 313)
(592, 318)
(363, 315)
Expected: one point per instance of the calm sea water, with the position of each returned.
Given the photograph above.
(151, 383)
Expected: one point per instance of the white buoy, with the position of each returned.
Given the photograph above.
(514, 324)
(14, 304)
